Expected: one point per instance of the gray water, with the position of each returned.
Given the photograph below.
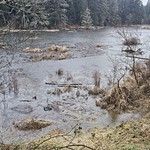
(84, 58)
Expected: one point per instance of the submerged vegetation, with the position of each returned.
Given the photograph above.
(53, 52)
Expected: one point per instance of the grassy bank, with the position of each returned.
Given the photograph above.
(130, 135)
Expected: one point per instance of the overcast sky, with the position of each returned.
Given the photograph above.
(144, 1)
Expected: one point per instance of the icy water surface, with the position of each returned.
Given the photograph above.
(69, 109)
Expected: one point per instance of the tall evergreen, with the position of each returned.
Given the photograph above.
(147, 9)
(71, 13)
(93, 6)
(113, 17)
(131, 11)
(57, 12)
(23, 13)
(80, 7)
(86, 18)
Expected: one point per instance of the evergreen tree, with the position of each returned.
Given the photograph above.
(80, 7)
(23, 13)
(57, 12)
(93, 6)
(131, 11)
(147, 9)
(86, 18)
(71, 13)
(103, 12)
(113, 17)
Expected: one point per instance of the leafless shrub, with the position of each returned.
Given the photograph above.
(112, 77)
(132, 41)
(97, 78)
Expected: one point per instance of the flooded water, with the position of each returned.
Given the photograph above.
(84, 58)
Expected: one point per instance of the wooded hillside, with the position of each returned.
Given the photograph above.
(39, 14)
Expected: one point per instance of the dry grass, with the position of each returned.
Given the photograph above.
(132, 41)
(97, 78)
(53, 52)
(32, 124)
(67, 89)
(32, 50)
(97, 91)
(130, 135)
(58, 48)
(128, 96)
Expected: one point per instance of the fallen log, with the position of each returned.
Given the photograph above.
(63, 85)
(137, 57)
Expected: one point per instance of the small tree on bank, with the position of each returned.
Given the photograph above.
(86, 18)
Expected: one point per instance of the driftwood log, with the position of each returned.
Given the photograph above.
(75, 85)
(137, 57)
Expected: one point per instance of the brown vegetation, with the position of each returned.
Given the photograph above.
(97, 78)
(32, 50)
(131, 41)
(32, 124)
(130, 135)
(97, 91)
(53, 52)
(130, 95)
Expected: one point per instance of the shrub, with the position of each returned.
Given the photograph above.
(131, 41)
(97, 78)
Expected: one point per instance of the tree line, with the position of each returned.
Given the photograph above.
(37, 14)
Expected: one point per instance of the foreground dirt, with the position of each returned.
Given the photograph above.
(130, 135)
